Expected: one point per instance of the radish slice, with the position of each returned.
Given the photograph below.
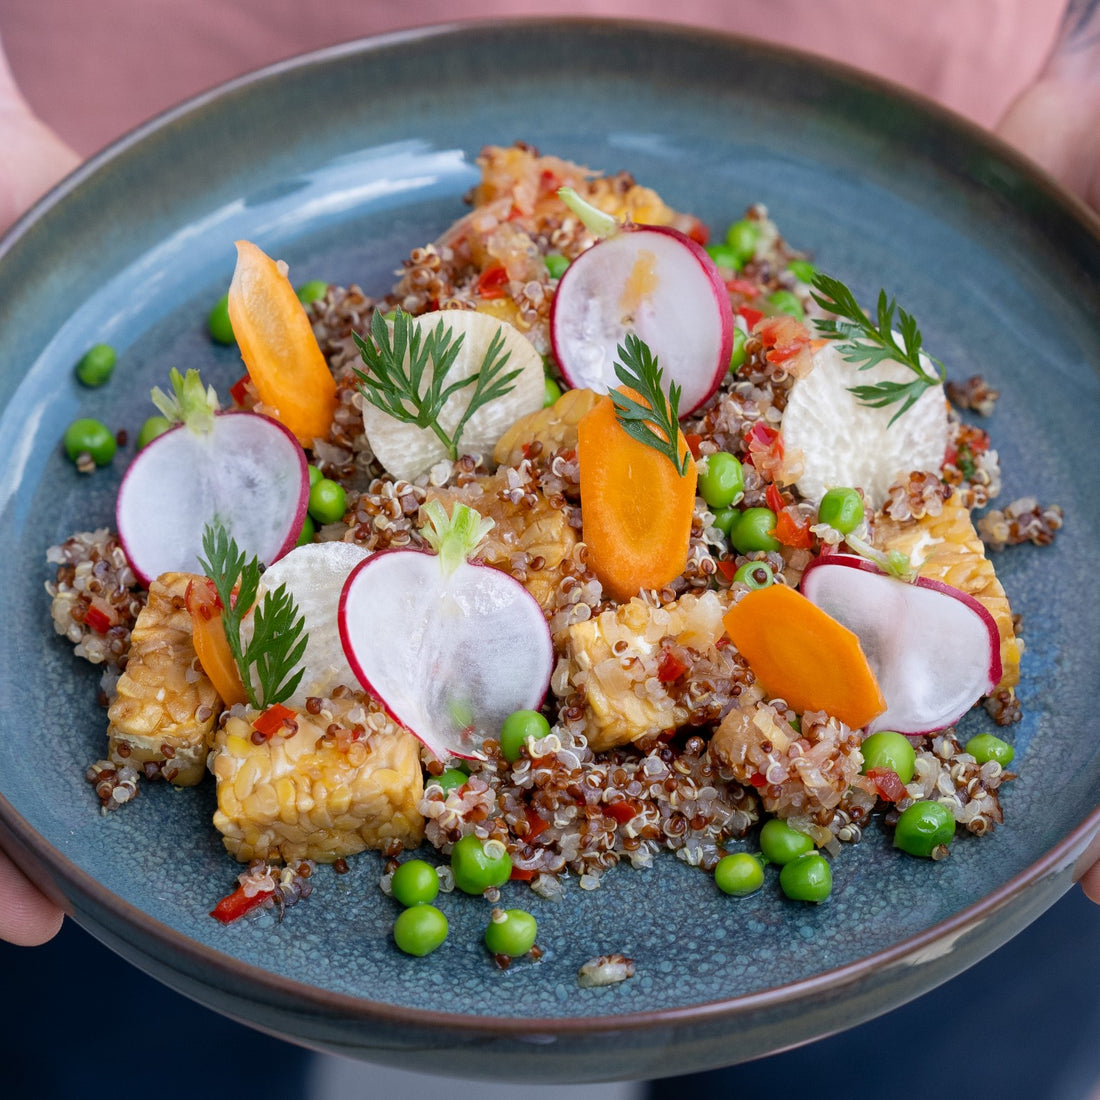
(245, 469)
(657, 283)
(935, 650)
(315, 575)
(449, 647)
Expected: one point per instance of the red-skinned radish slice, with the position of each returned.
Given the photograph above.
(245, 469)
(935, 650)
(450, 647)
(657, 283)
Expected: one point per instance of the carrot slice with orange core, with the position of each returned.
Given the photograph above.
(211, 645)
(279, 349)
(802, 655)
(637, 506)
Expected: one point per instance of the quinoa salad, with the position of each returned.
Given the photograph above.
(603, 534)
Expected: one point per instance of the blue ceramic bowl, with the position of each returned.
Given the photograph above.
(340, 162)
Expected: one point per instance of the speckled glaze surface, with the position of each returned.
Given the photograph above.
(339, 163)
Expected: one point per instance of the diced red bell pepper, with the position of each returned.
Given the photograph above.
(758, 780)
(793, 532)
(745, 287)
(535, 824)
(670, 667)
(492, 281)
(236, 905)
(97, 619)
(751, 316)
(622, 811)
(270, 721)
(888, 783)
(693, 439)
(521, 874)
(239, 390)
(727, 569)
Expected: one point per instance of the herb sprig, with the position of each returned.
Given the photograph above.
(870, 342)
(402, 390)
(278, 637)
(655, 420)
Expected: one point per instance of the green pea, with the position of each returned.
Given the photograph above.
(415, 882)
(737, 355)
(742, 237)
(807, 878)
(786, 301)
(312, 291)
(985, 747)
(315, 475)
(739, 874)
(419, 930)
(96, 365)
(90, 437)
(802, 270)
(756, 574)
(724, 256)
(308, 531)
(923, 828)
(725, 518)
(327, 501)
(552, 392)
(511, 932)
(780, 843)
(218, 323)
(556, 264)
(841, 509)
(753, 530)
(887, 749)
(479, 865)
(154, 426)
(450, 779)
(517, 728)
(721, 479)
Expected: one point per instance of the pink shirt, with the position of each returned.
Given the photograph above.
(94, 69)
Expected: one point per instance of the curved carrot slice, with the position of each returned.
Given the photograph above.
(802, 655)
(278, 346)
(637, 507)
(208, 636)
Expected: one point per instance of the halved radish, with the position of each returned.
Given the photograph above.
(650, 280)
(449, 647)
(935, 650)
(245, 469)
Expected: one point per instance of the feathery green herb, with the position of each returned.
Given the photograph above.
(868, 343)
(278, 636)
(401, 389)
(656, 422)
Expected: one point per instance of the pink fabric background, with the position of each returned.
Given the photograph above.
(93, 69)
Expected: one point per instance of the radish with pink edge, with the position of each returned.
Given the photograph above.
(651, 280)
(242, 469)
(935, 650)
(449, 646)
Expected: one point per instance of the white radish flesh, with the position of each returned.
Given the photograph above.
(450, 657)
(247, 471)
(659, 284)
(935, 650)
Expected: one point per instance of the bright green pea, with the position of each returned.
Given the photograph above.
(96, 365)
(552, 392)
(218, 323)
(315, 475)
(985, 747)
(511, 932)
(725, 518)
(802, 270)
(556, 264)
(90, 437)
(742, 237)
(737, 355)
(756, 574)
(327, 501)
(312, 291)
(724, 256)
(477, 866)
(721, 479)
(786, 301)
(753, 531)
(924, 827)
(739, 874)
(807, 878)
(419, 930)
(308, 531)
(415, 882)
(154, 426)
(780, 843)
(887, 749)
(517, 728)
(841, 509)
(450, 779)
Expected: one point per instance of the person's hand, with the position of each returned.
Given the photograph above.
(27, 918)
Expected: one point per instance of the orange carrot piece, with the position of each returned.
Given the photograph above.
(278, 346)
(637, 507)
(208, 636)
(802, 655)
